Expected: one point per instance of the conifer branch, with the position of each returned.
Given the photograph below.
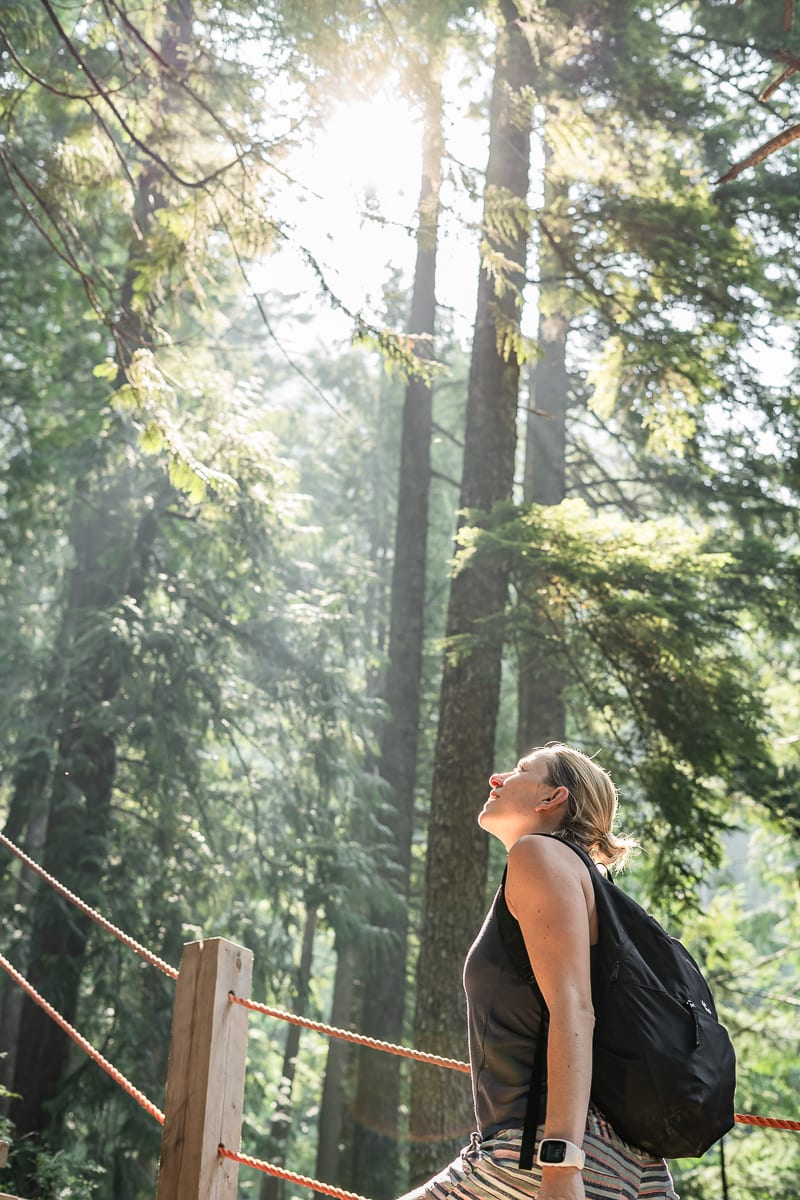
(168, 68)
(762, 152)
(45, 84)
(793, 66)
(262, 312)
(105, 95)
(63, 251)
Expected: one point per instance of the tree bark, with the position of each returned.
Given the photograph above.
(77, 820)
(541, 712)
(340, 1054)
(375, 1148)
(455, 876)
(273, 1188)
(29, 808)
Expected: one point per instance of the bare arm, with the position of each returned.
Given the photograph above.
(544, 892)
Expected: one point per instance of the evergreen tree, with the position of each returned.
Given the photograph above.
(455, 865)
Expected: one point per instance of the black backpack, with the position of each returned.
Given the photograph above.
(663, 1067)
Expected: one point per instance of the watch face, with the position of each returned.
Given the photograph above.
(553, 1151)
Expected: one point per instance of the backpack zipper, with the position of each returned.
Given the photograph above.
(692, 1007)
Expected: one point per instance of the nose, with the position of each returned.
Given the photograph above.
(496, 780)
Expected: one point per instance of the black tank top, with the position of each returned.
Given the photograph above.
(504, 1013)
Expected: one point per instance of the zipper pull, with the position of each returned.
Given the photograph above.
(693, 1010)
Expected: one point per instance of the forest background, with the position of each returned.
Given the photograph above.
(250, 395)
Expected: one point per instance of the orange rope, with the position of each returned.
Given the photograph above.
(767, 1122)
(81, 1041)
(360, 1039)
(89, 912)
(281, 1014)
(302, 1180)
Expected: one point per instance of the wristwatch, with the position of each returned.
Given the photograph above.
(558, 1152)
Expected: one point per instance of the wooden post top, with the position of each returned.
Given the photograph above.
(205, 1079)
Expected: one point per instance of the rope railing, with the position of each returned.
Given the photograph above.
(437, 1060)
(766, 1122)
(346, 1035)
(92, 913)
(81, 1041)
(268, 1010)
(258, 1164)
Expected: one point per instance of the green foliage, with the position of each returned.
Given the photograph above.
(748, 936)
(228, 538)
(648, 622)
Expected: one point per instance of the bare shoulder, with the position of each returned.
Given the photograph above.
(545, 876)
(534, 851)
(536, 861)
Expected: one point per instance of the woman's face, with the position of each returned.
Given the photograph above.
(513, 806)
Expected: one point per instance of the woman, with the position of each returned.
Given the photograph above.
(561, 792)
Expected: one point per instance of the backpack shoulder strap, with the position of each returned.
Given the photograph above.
(612, 902)
(594, 870)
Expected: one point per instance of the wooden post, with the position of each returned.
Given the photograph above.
(205, 1078)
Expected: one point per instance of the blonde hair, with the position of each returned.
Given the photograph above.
(592, 805)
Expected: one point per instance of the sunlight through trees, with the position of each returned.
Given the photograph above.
(386, 387)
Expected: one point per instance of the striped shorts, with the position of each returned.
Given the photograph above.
(489, 1170)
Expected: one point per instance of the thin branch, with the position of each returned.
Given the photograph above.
(792, 67)
(101, 121)
(445, 479)
(764, 151)
(267, 325)
(446, 433)
(772, 88)
(64, 252)
(138, 142)
(604, 301)
(169, 69)
(792, 1001)
(721, 76)
(627, 504)
(759, 963)
(51, 87)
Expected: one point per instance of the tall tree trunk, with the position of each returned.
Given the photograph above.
(340, 1053)
(273, 1188)
(375, 1148)
(62, 783)
(28, 814)
(112, 535)
(455, 877)
(107, 556)
(541, 713)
